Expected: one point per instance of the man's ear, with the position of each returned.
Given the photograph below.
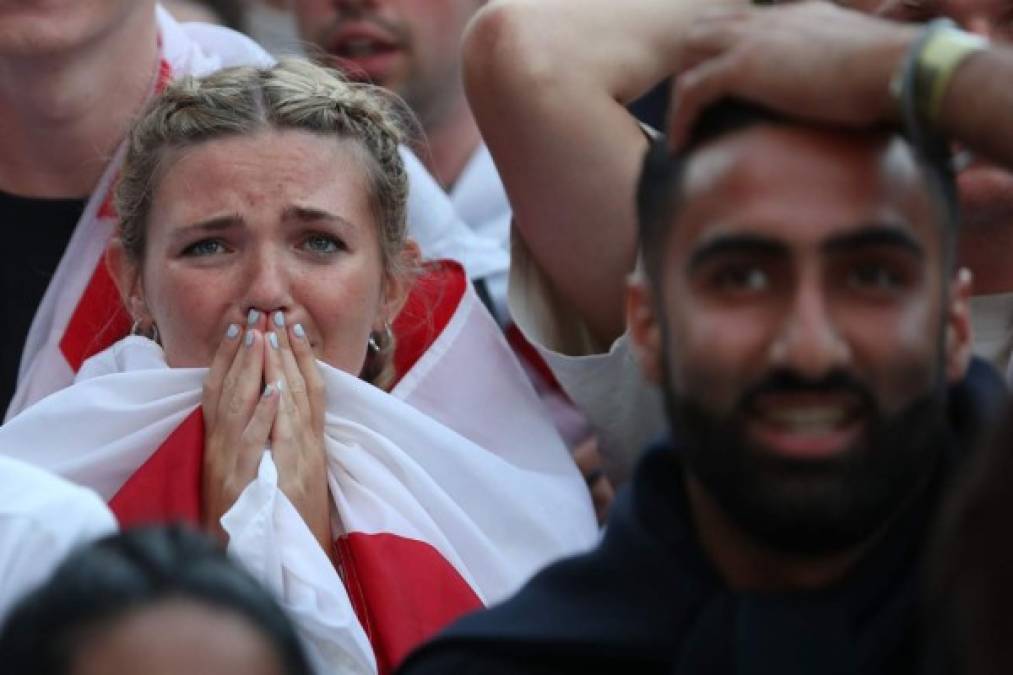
(396, 288)
(643, 324)
(959, 335)
(127, 275)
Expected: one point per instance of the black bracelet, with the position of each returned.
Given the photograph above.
(908, 93)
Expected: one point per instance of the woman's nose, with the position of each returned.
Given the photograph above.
(267, 284)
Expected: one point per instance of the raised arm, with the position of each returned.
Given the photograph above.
(816, 60)
(978, 107)
(548, 81)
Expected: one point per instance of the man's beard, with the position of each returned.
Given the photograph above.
(820, 506)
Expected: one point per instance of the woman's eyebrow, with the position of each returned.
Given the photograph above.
(311, 214)
(214, 224)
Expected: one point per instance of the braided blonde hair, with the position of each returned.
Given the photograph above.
(294, 94)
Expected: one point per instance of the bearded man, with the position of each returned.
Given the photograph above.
(801, 312)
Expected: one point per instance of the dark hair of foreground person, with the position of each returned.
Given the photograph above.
(102, 587)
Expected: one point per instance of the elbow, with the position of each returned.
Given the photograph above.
(506, 51)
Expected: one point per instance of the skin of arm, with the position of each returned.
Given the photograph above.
(819, 61)
(547, 81)
(977, 108)
(784, 58)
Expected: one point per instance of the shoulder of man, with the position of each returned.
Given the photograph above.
(622, 605)
(976, 403)
(469, 660)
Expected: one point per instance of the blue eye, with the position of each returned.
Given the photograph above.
(322, 244)
(204, 247)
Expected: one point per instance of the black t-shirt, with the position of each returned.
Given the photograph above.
(36, 232)
(648, 601)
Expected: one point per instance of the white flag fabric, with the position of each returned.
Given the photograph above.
(449, 491)
(42, 519)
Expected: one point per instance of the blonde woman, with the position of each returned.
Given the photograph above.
(262, 247)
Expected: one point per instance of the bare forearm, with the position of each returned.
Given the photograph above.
(977, 109)
(624, 48)
(547, 80)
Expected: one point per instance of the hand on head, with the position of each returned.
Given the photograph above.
(813, 60)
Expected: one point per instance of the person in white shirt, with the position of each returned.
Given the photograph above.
(42, 518)
(72, 78)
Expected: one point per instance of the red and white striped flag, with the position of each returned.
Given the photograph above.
(451, 490)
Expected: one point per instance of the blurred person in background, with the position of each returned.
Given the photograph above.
(229, 13)
(414, 50)
(72, 77)
(271, 24)
(154, 601)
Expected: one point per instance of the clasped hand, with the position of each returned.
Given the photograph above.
(243, 415)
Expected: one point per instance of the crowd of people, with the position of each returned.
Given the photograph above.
(506, 336)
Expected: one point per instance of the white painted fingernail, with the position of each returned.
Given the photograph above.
(232, 332)
(280, 384)
(273, 339)
(252, 317)
(299, 331)
(279, 319)
(269, 391)
(248, 340)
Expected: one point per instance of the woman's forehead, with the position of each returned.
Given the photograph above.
(270, 170)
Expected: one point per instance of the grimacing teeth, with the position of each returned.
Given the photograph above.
(815, 418)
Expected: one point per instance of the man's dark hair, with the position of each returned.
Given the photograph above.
(660, 188)
(118, 574)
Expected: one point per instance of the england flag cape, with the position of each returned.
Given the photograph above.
(81, 313)
(448, 492)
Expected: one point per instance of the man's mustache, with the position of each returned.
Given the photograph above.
(790, 382)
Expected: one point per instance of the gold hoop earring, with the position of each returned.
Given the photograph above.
(135, 329)
(377, 345)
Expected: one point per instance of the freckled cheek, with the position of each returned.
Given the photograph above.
(191, 311)
(343, 311)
